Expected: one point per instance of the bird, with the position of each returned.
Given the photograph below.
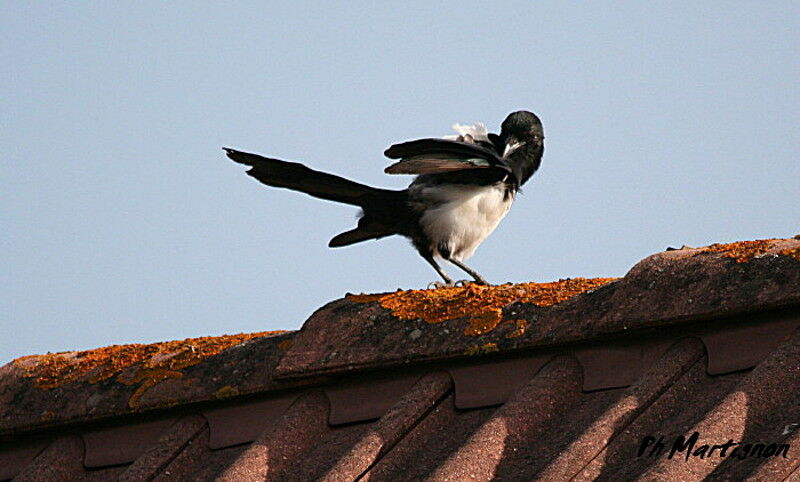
(464, 186)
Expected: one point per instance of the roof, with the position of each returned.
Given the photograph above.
(548, 381)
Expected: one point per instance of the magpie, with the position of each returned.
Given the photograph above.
(464, 186)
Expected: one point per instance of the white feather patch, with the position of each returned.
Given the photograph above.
(471, 134)
(463, 215)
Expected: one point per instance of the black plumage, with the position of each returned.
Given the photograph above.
(463, 188)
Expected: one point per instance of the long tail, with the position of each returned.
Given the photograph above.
(295, 176)
(383, 209)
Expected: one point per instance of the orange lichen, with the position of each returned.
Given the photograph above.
(742, 251)
(481, 306)
(226, 391)
(148, 377)
(483, 322)
(153, 363)
(791, 252)
(481, 349)
(521, 325)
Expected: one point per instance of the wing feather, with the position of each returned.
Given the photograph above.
(431, 165)
(426, 156)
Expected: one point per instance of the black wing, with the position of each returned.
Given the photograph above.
(426, 156)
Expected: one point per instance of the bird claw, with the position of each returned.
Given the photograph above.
(465, 282)
(455, 284)
(434, 285)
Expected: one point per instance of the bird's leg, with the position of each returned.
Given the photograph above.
(432, 262)
(477, 277)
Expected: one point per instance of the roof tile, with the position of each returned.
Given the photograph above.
(122, 379)
(472, 382)
(278, 449)
(592, 439)
(243, 422)
(159, 455)
(769, 392)
(361, 332)
(61, 460)
(16, 455)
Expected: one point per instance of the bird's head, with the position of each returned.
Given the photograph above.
(521, 129)
(521, 141)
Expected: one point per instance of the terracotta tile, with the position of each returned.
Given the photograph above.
(553, 381)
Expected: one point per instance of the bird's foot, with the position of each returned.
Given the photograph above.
(455, 284)
(435, 285)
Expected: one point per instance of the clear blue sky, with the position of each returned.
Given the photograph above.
(668, 124)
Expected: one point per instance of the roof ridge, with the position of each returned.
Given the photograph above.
(382, 332)
(672, 287)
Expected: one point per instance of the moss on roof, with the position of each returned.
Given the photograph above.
(482, 306)
(791, 252)
(742, 251)
(153, 362)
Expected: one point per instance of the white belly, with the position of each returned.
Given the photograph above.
(465, 216)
